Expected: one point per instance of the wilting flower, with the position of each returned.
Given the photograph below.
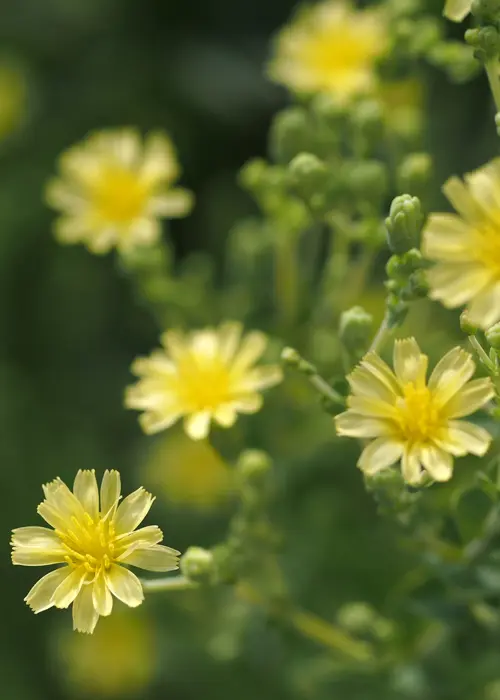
(412, 420)
(467, 247)
(94, 539)
(201, 376)
(113, 190)
(457, 10)
(330, 48)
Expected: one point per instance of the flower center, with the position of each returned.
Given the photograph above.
(487, 243)
(118, 194)
(418, 417)
(89, 542)
(204, 383)
(337, 54)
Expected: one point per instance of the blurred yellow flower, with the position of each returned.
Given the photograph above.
(413, 420)
(119, 660)
(92, 541)
(13, 98)
(457, 10)
(467, 247)
(188, 472)
(330, 48)
(403, 102)
(113, 190)
(202, 376)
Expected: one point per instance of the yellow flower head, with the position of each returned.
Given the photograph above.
(187, 472)
(457, 10)
(93, 538)
(118, 661)
(202, 376)
(413, 420)
(330, 48)
(113, 190)
(467, 247)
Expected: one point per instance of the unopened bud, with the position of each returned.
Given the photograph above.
(487, 11)
(355, 329)
(493, 336)
(197, 565)
(466, 325)
(308, 175)
(485, 41)
(368, 180)
(415, 173)
(253, 467)
(289, 134)
(404, 224)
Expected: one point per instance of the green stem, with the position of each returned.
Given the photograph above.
(492, 72)
(481, 353)
(286, 279)
(309, 625)
(381, 336)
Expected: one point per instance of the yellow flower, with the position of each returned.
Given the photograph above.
(331, 48)
(113, 190)
(467, 247)
(92, 541)
(413, 420)
(119, 660)
(202, 376)
(457, 10)
(187, 472)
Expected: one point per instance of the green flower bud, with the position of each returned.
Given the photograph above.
(456, 59)
(415, 173)
(487, 11)
(485, 41)
(197, 565)
(252, 174)
(355, 330)
(289, 134)
(308, 174)
(357, 617)
(328, 111)
(404, 224)
(465, 324)
(368, 180)
(253, 468)
(493, 336)
(367, 118)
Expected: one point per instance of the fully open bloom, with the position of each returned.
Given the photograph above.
(457, 10)
(202, 376)
(113, 190)
(94, 540)
(332, 48)
(412, 420)
(467, 247)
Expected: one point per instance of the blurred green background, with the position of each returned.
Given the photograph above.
(70, 326)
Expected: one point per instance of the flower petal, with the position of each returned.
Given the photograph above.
(411, 467)
(36, 546)
(85, 489)
(437, 462)
(251, 349)
(484, 309)
(124, 585)
(451, 374)
(471, 398)
(472, 438)
(40, 597)
(110, 491)
(354, 424)
(145, 536)
(197, 425)
(155, 421)
(366, 384)
(248, 403)
(380, 454)
(457, 10)
(263, 377)
(177, 202)
(153, 558)
(132, 511)
(68, 589)
(410, 364)
(225, 415)
(454, 284)
(101, 595)
(85, 616)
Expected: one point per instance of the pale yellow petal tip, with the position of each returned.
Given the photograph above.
(457, 10)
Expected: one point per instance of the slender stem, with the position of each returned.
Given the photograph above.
(287, 279)
(172, 583)
(492, 71)
(309, 625)
(325, 389)
(382, 335)
(481, 353)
